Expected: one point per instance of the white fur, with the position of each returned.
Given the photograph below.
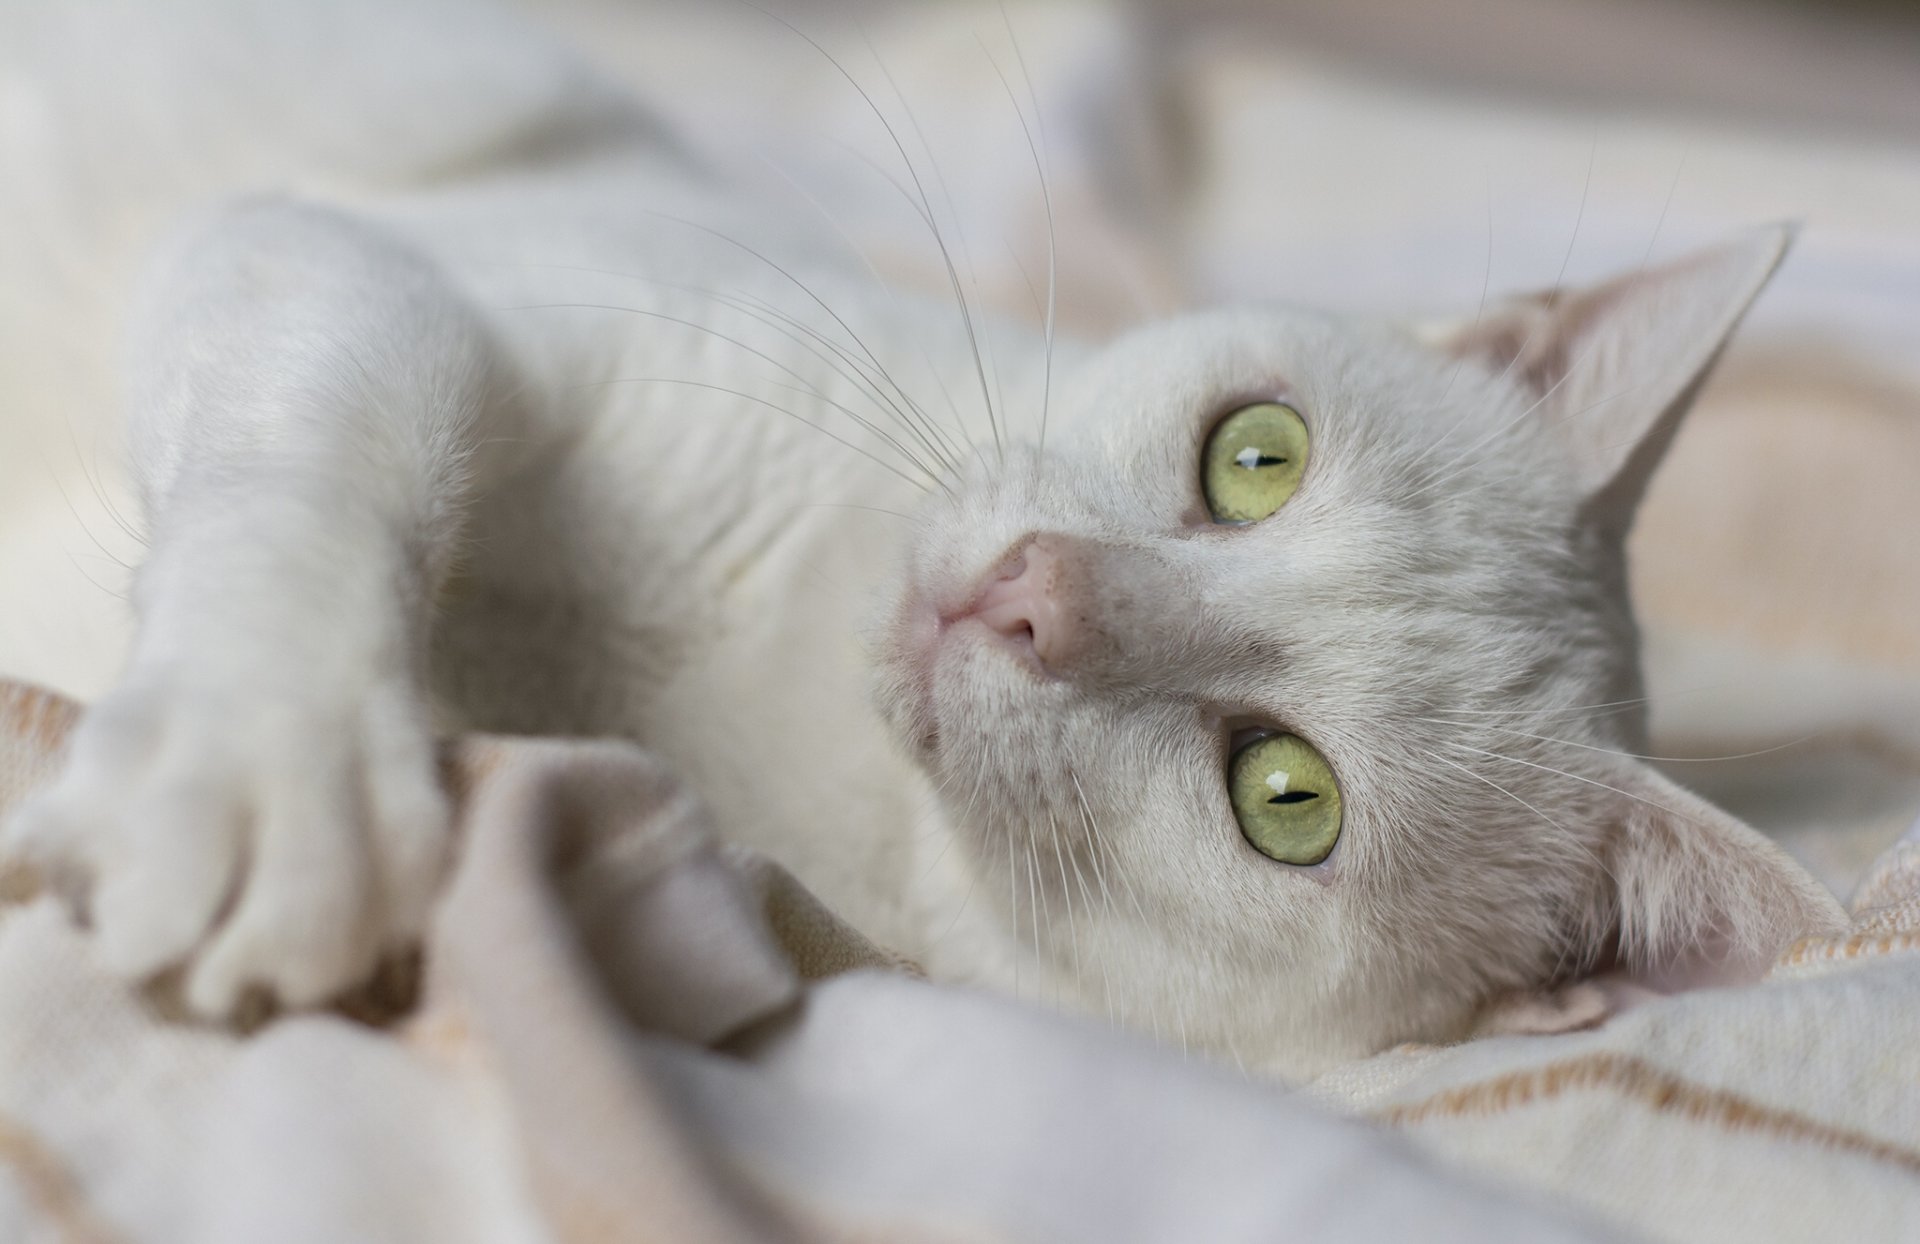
(441, 443)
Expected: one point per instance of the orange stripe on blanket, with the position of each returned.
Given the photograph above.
(42, 718)
(51, 1187)
(1860, 946)
(1659, 1090)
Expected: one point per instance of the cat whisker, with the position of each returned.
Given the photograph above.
(761, 401)
(1559, 279)
(841, 361)
(1013, 900)
(938, 477)
(1094, 862)
(1566, 836)
(1097, 847)
(913, 174)
(80, 570)
(1450, 469)
(1553, 297)
(1238, 1060)
(105, 553)
(1107, 906)
(1652, 803)
(1099, 842)
(939, 855)
(1026, 279)
(926, 430)
(881, 171)
(813, 296)
(1600, 709)
(1086, 906)
(806, 386)
(1462, 493)
(946, 392)
(961, 910)
(1066, 892)
(1479, 311)
(1036, 900)
(844, 505)
(974, 873)
(1614, 751)
(946, 256)
(926, 825)
(1046, 199)
(1610, 706)
(1645, 259)
(94, 485)
(1661, 222)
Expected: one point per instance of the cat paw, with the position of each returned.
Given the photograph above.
(257, 842)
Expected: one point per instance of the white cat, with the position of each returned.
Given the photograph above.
(1264, 679)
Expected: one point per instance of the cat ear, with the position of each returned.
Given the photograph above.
(1688, 897)
(1693, 896)
(1614, 366)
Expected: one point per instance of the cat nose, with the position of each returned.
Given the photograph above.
(1025, 599)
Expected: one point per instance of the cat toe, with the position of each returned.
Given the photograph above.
(410, 837)
(178, 874)
(304, 929)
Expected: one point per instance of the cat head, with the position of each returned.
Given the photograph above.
(1285, 697)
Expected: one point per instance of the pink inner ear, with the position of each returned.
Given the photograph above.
(1592, 1000)
(1613, 366)
(1586, 1003)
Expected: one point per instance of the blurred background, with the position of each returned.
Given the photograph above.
(1382, 156)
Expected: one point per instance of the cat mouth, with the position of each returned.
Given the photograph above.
(968, 667)
(1016, 640)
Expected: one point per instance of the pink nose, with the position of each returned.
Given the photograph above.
(1023, 600)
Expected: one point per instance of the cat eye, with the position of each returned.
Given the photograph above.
(1253, 461)
(1285, 799)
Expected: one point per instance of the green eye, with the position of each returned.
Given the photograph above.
(1285, 799)
(1253, 462)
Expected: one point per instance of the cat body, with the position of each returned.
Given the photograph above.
(577, 439)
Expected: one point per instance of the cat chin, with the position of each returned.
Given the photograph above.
(983, 683)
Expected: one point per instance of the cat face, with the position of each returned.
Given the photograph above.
(1094, 668)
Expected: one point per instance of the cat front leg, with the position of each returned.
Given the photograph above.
(257, 801)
